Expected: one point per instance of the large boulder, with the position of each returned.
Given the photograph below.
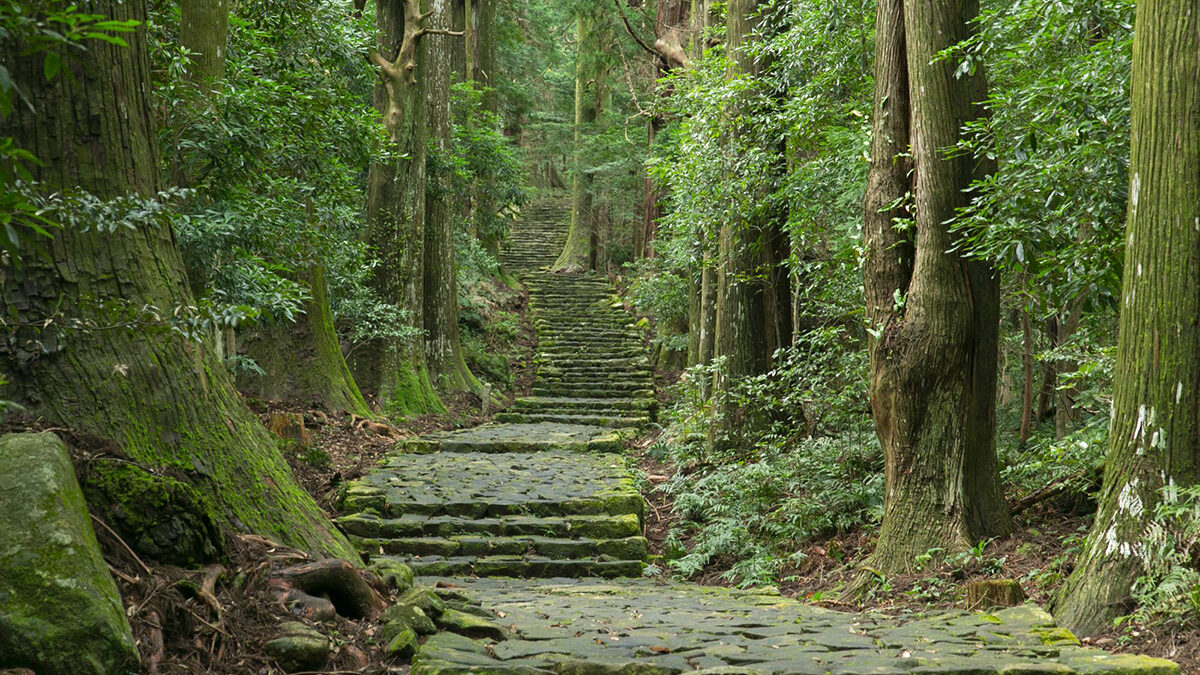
(60, 612)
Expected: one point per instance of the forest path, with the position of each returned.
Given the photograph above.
(530, 532)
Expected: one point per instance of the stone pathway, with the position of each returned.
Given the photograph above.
(530, 531)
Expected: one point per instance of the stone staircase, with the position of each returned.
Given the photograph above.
(545, 492)
(592, 364)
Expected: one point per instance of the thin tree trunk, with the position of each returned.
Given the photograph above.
(577, 253)
(1155, 433)
(1026, 378)
(741, 308)
(204, 31)
(164, 401)
(443, 349)
(935, 315)
(396, 370)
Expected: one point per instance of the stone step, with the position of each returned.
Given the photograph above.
(535, 403)
(368, 526)
(581, 361)
(628, 548)
(624, 418)
(571, 389)
(519, 438)
(615, 422)
(518, 566)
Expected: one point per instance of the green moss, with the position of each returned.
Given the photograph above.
(412, 393)
(1056, 637)
(60, 613)
(158, 516)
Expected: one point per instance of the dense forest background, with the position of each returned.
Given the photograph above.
(304, 200)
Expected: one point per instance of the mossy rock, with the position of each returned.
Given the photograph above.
(395, 574)
(60, 612)
(160, 517)
(298, 647)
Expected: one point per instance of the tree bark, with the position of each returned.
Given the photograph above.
(302, 361)
(443, 351)
(1155, 434)
(934, 314)
(1026, 378)
(741, 299)
(395, 370)
(204, 31)
(165, 401)
(577, 253)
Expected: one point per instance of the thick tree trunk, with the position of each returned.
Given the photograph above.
(741, 297)
(934, 315)
(166, 402)
(302, 361)
(577, 252)
(443, 350)
(395, 370)
(204, 31)
(1155, 435)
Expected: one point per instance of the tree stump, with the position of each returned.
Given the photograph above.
(991, 593)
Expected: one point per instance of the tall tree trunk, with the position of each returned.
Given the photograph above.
(303, 361)
(577, 253)
(165, 401)
(935, 315)
(1155, 435)
(1026, 378)
(741, 307)
(396, 370)
(442, 347)
(204, 31)
(486, 67)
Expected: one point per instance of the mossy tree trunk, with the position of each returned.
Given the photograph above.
(934, 315)
(393, 369)
(165, 401)
(1155, 434)
(303, 361)
(578, 252)
(443, 349)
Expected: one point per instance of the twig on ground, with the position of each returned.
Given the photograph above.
(122, 543)
(155, 657)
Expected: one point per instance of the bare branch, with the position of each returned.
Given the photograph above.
(632, 34)
(439, 31)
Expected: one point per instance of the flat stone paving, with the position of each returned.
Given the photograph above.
(482, 484)
(637, 626)
(497, 438)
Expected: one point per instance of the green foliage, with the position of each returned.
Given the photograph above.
(270, 194)
(488, 172)
(1169, 591)
(756, 514)
(815, 469)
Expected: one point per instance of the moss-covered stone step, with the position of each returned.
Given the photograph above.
(554, 548)
(640, 626)
(368, 526)
(596, 390)
(500, 438)
(492, 485)
(519, 567)
(538, 403)
(612, 422)
(612, 363)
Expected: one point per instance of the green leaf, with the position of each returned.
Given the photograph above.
(51, 65)
(111, 39)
